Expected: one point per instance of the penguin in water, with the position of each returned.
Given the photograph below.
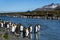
(30, 29)
(13, 27)
(1, 24)
(37, 28)
(21, 28)
(10, 23)
(25, 32)
(17, 30)
(6, 24)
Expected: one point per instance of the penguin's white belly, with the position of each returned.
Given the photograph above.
(1, 24)
(21, 28)
(36, 29)
(13, 29)
(7, 25)
(30, 29)
(27, 32)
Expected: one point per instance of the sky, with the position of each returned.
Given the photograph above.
(23, 5)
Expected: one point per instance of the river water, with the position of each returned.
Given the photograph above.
(50, 29)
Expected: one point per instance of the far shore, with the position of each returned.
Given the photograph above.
(35, 14)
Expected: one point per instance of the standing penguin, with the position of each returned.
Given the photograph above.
(1, 24)
(24, 31)
(37, 28)
(30, 28)
(27, 32)
(13, 28)
(21, 28)
(6, 24)
(17, 30)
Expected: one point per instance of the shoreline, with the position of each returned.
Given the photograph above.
(36, 17)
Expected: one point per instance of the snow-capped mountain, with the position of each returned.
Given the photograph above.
(49, 7)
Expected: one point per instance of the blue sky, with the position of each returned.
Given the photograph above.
(23, 5)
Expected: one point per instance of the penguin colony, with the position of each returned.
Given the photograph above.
(18, 28)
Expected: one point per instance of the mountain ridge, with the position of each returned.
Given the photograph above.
(49, 7)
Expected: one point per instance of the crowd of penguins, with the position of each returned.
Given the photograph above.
(17, 28)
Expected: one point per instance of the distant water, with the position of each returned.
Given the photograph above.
(50, 29)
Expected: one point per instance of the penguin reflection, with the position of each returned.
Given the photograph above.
(21, 34)
(30, 36)
(37, 36)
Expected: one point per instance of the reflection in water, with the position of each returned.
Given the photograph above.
(24, 36)
(30, 36)
(21, 34)
(37, 36)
